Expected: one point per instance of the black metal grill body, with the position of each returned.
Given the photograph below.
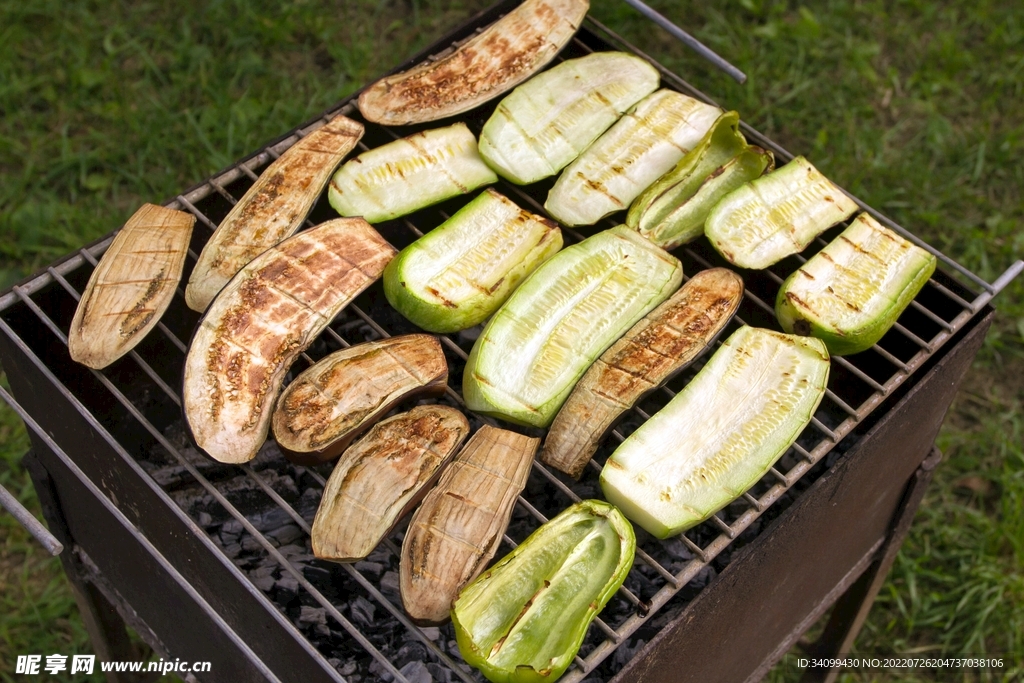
(782, 553)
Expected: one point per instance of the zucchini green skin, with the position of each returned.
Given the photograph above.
(523, 620)
(548, 121)
(672, 211)
(459, 273)
(776, 216)
(409, 174)
(541, 341)
(851, 292)
(721, 433)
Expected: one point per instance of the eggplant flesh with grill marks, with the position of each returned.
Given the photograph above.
(644, 145)
(497, 59)
(272, 209)
(336, 399)
(132, 286)
(548, 121)
(410, 173)
(776, 215)
(382, 477)
(672, 211)
(539, 344)
(457, 529)
(261, 321)
(851, 292)
(668, 339)
(721, 433)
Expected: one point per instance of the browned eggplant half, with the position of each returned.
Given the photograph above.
(334, 401)
(261, 321)
(494, 61)
(456, 531)
(132, 286)
(272, 209)
(664, 342)
(382, 477)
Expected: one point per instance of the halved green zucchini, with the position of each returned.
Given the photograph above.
(546, 122)
(776, 215)
(410, 173)
(851, 292)
(538, 345)
(460, 272)
(672, 211)
(721, 433)
(645, 143)
(525, 618)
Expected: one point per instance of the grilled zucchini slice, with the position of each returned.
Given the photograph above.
(409, 173)
(721, 433)
(851, 292)
(546, 122)
(538, 345)
(645, 144)
(776, 215)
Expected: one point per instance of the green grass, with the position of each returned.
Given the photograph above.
(914, 106)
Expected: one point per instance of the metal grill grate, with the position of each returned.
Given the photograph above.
(144, 389)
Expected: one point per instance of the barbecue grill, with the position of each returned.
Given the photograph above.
(212, 562)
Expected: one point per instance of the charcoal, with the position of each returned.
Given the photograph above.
(205, 519)
(285, 534)
(288, 583)
(417, 672)
(412, 651)
(317, 574)
(232, 550)
(271, 518)
(362, 611)
(349, 668)
(378, 669)
(263, 572)
(431, 632)
(312, 615)
(369, 569)
(251, 544)
(626, 652)
(264, 583)
(322, 629)
(440, 673)
(308, 503)
(389, 585)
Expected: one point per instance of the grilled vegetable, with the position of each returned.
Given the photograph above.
(457, 529)
(503, 55)
(546, 122)
(335, 400)
(261, 321)
(459, 273)
(132, 286)
(383, 476)
(672, 211)
(524, 619)
(272, 209)
(776, 215)
(720, 434)
(664, 342)
(538, 345)
(645, 143)
(851, 292)
(408, 174)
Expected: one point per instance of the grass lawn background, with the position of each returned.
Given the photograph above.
(913, 106)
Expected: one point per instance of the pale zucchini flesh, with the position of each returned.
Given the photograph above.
(721, 433)
(672, 211)
(410, 173)
(548, 121)
(459, 273)
(851, 292)
(541, 341)
(776, 215)
(642, 146)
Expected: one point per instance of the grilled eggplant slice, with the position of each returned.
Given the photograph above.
(546, 122)
(457, 529)
(525, 618)
(720, 434)
(776, 215)
(851, 292)
(132, 286)
(261, 321)
(459, 273)
(499, 58)
(334, 401)
(668, 339)
(672, 211)
(272, 209)
(539, 344)
(410, 173)
(645, 144)
(382, 477)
